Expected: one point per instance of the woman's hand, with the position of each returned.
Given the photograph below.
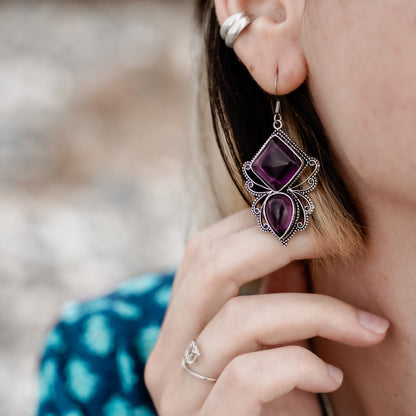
(254, 345)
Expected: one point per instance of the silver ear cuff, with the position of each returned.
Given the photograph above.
(233, 26)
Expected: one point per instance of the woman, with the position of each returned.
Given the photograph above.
(357, 62)
(344, 72)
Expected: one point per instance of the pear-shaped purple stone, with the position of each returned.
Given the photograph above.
(279, 212)
(276, 164)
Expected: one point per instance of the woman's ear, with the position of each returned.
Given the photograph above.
(271, 43)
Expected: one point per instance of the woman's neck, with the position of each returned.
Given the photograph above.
(379, 380)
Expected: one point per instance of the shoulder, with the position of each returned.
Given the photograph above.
(132, 313)
(93, 358)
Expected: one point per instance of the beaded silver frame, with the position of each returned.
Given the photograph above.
(295, 190)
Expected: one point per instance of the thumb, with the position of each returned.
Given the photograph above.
(291, 278)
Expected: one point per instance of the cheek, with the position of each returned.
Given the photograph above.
(362, 79)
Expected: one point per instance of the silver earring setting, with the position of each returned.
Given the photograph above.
(282, 204)
(233, 26)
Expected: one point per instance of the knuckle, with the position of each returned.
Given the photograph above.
(232, 307)
(195, 243)
(153, 370)
(235, 312)
(150, 373)
(237, 374)
(298, 355)
(328, 302)
(200, 248)
(302, 359)
(327, 308)
(202, 259)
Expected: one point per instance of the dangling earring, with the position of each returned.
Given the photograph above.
(282, 205)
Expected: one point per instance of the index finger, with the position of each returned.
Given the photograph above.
(223, 266)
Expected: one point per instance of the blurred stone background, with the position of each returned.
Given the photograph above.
(95, 101)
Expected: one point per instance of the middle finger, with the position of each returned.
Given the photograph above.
(250, 323)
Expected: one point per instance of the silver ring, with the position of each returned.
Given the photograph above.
(233, 26)
(191, 355)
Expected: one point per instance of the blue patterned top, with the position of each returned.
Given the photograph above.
(93, 359)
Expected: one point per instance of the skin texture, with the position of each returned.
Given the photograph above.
(359, 61)
(245, 339)
(362, 60)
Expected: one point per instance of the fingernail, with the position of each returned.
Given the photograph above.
(335, 373)
(373, 322)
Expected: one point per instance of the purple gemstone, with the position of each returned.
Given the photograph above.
(276, 164)
(279, 213)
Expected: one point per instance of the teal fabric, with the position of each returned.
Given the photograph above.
(93, 359)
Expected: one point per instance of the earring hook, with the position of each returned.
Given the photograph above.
(277, 108)
(278, 122)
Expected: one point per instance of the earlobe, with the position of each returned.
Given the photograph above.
(271, 43)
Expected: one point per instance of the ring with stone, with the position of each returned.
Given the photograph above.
(191, 355)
